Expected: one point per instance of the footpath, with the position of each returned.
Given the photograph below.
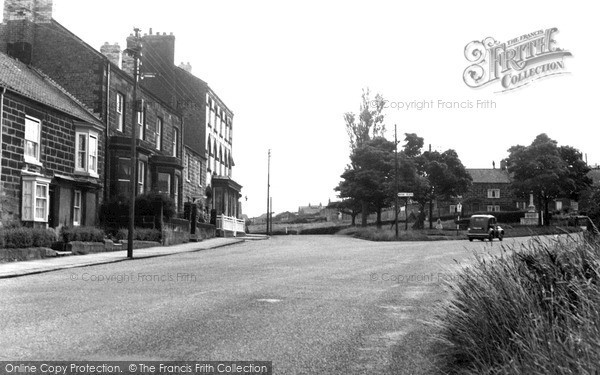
(30, 267)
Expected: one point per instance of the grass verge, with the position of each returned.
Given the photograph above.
(533, 310)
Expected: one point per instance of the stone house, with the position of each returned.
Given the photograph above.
(104, 82)
(52, 151)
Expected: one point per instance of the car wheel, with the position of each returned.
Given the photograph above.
(500, 236)
(491, 237)
(470, 239)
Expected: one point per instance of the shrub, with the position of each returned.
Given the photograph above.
(505, 216)
(43, 237)
(84, 234)
(149, 204)
(532, 311)
(18, 237)
(322, 230)
(139, 234)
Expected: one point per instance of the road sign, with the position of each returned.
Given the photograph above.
(405, 195)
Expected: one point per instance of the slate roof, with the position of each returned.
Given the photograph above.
(33, 84)
(489, 176)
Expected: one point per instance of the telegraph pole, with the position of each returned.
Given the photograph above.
(134, 48)
(396, 177)
(268, 191)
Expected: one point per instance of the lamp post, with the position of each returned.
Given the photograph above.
(268, 190)
(134, 48)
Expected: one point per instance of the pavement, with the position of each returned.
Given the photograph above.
(31, 267)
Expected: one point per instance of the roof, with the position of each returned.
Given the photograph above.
(489, 176)
(594, 174)
(33, 84)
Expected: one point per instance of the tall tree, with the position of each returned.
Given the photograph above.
(547, 171)
(368, 179)
(436, 175)
(369, 122)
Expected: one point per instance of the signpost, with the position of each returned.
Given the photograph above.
(406, 196)
(458, 211)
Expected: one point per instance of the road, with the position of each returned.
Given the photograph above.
(310, 304)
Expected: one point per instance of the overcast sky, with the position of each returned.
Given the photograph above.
(290, 70)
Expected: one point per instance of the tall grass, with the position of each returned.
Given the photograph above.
(534, 310)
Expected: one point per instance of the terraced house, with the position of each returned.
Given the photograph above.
(104, 82)
(52, 151)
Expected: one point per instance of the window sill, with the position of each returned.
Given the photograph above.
(86, 173)
(32, 161)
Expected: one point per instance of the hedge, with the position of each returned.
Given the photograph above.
(23, 237)
(83, 234)
(139, 234)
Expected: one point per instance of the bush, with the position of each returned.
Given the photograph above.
(83, 234)
(139, 234)
(149, 204)
(505, 216)
(23, 237)
(43, 237)
(533, 311)
(322, 230)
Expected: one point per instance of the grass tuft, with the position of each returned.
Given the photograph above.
(534, 310)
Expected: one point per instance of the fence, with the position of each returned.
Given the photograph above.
(228, 224)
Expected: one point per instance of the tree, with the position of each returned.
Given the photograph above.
(546, 171)
(590, 203)
(369, 122)
(368, 179)
(435, 175)
(348, 206)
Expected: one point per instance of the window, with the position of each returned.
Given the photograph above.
(123, 175)
(32, 140)
(493, 193)
(35, 199)
(176, 192)
(164, 183)
(175, 142)
(493, 208)
(188, 167)
(200, 173)
(559, 205)
(208, 114)
(452, 208)
(159, 130)
(141, 117)
(76, 208)
(120, 112)
(86, 146)
(141, 176)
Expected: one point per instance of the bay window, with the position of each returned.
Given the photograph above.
(35, 199)
(86, 146)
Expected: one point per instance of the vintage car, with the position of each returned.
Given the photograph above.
(484, 226)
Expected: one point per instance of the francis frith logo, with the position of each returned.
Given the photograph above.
(514, 63)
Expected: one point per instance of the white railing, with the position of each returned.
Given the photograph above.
(230, 223)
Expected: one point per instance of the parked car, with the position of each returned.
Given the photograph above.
(484, 226)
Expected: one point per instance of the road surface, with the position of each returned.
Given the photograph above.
(310, 304)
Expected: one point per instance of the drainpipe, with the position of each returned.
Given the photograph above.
(106, 166)
(1, 123)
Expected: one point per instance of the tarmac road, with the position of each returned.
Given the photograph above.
(310, 304)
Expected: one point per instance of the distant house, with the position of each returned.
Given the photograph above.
(490, 192)
(52, 168)
(310, 209)
(594, 174)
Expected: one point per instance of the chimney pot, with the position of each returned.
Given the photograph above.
(150, 31)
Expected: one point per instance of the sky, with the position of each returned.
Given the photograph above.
(289, 70)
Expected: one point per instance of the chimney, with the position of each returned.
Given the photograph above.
(112, 52)
(493, 164)
(503, 164)
(127, 63)
(159, 49)
(38, 11)
(186, 66)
